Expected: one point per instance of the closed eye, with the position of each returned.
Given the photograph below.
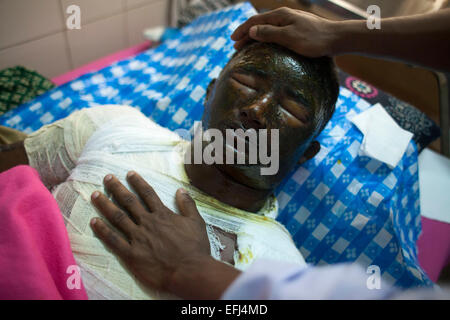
(245, 80)
(295, 110)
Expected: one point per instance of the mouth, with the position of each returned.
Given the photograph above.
(236, 140)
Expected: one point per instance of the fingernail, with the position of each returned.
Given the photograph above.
(108, 177)
(93, 221)
(95, 195)
(252, 31)
(130, 174)
(182, 190)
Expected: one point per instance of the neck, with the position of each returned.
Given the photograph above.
(217, 184)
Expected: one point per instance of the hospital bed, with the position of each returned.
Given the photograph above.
(339, 207)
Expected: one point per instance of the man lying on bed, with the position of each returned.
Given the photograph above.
(262, 87)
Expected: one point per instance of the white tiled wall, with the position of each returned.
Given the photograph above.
(138, 17)
(33, 33)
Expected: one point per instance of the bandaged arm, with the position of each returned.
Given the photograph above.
(54, 149)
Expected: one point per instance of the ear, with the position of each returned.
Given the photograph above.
(209, 89)
(312, 150)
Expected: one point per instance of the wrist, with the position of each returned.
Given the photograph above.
(183, 270)
(201, 277)
(349, 36)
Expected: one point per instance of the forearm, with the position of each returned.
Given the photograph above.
(422, 39)
(12, 155)
(204, 278)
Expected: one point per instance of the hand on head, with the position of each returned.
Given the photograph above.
(299, 31)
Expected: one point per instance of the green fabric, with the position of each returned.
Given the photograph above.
(19, 85)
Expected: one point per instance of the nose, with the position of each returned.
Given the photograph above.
(253, 116)
(250, 121)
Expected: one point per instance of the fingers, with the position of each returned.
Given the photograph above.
(115, 216)
(268, 33)
(274, 17)
(241, 43)
(124, 197)
(264, 33)
(110, 238)
(145, 191)
(186, 204)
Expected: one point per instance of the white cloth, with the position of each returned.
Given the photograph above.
(274, 280)
(434, 182)
(73, 156)
(384, 139)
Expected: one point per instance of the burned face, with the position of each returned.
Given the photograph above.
(267, 87)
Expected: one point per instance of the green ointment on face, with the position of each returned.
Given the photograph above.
(265, 86)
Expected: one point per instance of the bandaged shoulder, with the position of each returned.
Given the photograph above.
(54, 149)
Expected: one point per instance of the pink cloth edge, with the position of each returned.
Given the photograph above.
(36, 259)
(433, 247)
(100, 63)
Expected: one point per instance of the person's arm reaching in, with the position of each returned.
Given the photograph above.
(164, 250)
(170, 252)
(419, 39)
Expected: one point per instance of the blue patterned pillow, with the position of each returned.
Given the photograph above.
(408, 117)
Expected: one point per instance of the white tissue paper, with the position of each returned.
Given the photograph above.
(384, 139)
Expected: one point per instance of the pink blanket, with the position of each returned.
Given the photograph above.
(36, 261)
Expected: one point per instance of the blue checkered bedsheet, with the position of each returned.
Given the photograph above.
(339, 207)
